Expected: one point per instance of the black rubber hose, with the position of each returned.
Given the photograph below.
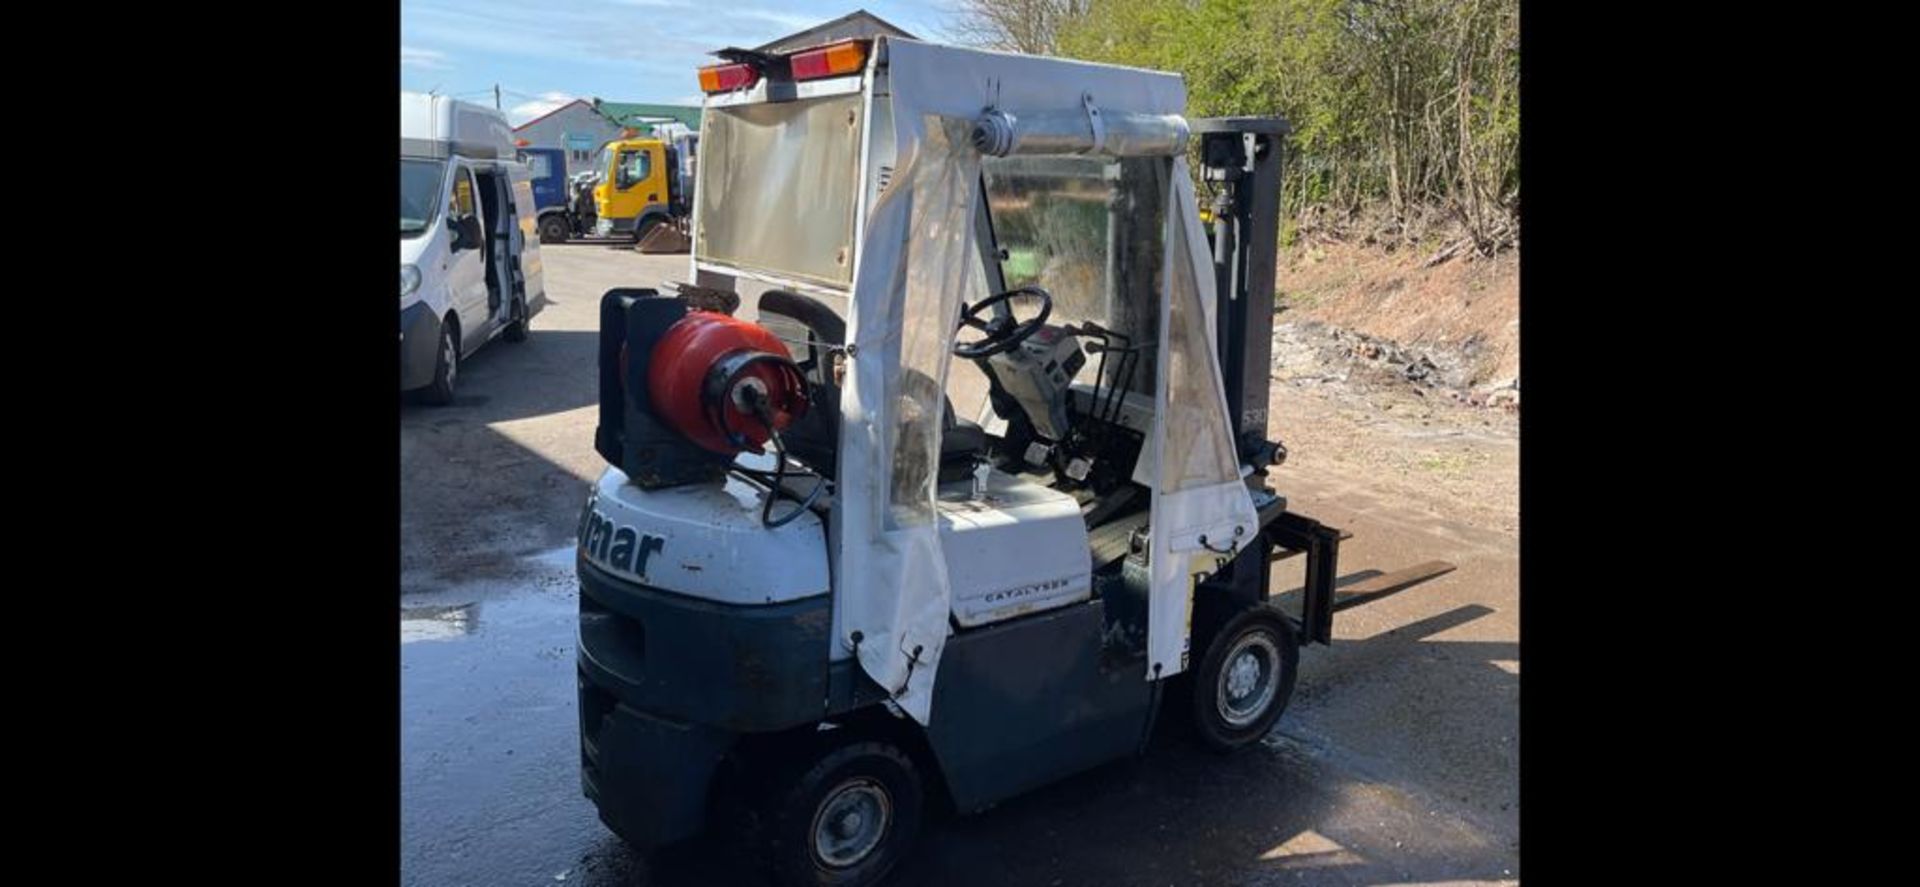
(776, 486)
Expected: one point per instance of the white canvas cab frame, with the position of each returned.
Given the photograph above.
(867, 188)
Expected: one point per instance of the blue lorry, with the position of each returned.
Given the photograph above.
(565, 208)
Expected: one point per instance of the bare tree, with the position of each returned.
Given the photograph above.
(1028, 26)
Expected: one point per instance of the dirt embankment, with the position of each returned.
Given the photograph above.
(1402, 377)
(1379, 314)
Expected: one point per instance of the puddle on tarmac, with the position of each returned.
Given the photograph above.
(437, 623)
(489, 732)
(489, 606)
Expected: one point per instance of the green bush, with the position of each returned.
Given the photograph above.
(1406, 103)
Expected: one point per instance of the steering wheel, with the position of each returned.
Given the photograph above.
(1003, 332)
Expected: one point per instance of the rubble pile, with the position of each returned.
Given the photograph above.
(1311, 352)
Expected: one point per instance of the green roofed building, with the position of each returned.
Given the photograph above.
(644, 117)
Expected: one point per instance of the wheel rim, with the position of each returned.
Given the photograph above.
(451, 356)
(1249, 679)
(851, 822)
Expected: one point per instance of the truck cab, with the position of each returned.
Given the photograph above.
(547, 168)
(638, 187)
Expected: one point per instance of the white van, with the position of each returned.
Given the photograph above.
(469, 254)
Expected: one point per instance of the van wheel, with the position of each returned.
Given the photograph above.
(553, 229)
(848, 819)
(1245, 680)
(446, 368)
(516, 331)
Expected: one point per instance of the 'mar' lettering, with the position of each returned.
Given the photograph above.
(621, 548)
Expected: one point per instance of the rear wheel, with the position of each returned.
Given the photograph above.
(516, 330)
(553, 229)
(848, 819)
(1245, 680)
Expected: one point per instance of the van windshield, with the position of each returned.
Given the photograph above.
(419, 195)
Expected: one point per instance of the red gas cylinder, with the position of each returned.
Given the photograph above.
(709, 370)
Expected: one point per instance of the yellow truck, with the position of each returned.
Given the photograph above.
(644, 181)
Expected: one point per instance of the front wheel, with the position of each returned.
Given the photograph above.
(1245, 680)
(848, 819)
(446, 368)
(553, 229)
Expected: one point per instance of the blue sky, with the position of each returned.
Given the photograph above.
(544, 53)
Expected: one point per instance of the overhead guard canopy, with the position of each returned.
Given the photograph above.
(1001, 133)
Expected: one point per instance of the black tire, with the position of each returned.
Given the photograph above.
(862, 783)
(446, 368)
(516, 330)
(553, 229)
(1245, 680)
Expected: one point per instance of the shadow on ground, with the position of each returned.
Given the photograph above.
(1278, 813)
(478, 486)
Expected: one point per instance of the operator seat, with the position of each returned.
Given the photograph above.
(815, 439)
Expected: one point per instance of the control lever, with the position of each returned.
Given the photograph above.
(1096, 346)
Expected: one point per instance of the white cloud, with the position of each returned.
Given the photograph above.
(525, 111)
(425, 59)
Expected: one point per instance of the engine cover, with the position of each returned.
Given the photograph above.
(702, 540)
(1019, 549)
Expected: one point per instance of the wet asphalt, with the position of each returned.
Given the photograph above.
(1397, 761)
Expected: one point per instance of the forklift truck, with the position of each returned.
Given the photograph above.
(981, 494)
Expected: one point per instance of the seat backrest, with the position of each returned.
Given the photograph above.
(815, 438)
(808, 312)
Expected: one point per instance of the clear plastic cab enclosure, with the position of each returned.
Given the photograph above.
(901, 180)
